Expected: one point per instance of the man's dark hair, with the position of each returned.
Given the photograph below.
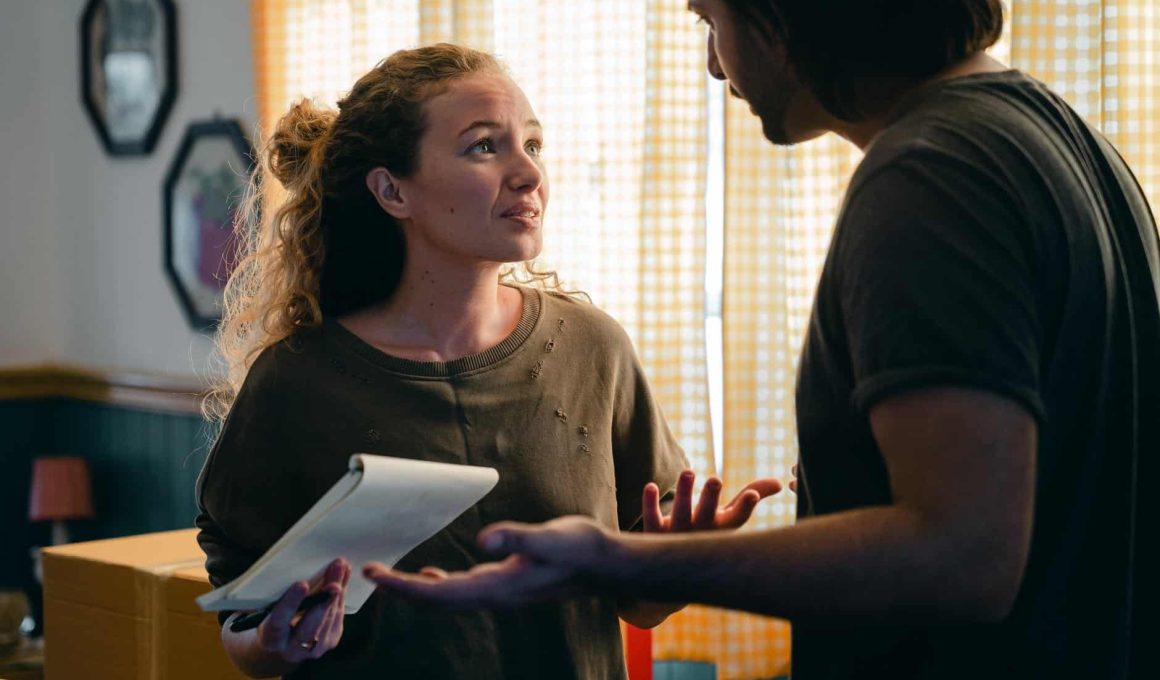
(837, 47)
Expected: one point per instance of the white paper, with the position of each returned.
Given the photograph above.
(378, 512)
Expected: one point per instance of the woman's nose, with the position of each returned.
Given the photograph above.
(526, 172)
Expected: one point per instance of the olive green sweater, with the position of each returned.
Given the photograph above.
(560, 408)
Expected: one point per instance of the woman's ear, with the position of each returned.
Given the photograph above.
(386, 190)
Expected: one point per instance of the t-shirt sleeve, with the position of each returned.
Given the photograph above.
(644, 449)
(937, 278)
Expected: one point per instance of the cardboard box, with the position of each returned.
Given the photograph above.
(109, 614)
(190, 638)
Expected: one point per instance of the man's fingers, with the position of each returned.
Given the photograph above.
(513, 582)
(505, 538)
(706, 515)
(453, 590)
(650, 508)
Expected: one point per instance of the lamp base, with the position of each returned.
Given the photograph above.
(59, 532)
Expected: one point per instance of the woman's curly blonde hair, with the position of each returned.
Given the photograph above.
(322, 245)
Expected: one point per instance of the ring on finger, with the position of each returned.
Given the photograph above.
(308, 644)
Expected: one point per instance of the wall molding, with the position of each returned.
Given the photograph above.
(170, 394)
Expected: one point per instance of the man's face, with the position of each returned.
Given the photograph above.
(742, 54)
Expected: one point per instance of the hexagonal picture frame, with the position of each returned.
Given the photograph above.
(128, 71)
(203, 191)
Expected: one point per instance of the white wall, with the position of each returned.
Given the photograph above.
(83, 282)
(30, 281)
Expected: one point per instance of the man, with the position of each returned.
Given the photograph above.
(979, 392)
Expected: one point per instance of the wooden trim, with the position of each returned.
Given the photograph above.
(136, 390)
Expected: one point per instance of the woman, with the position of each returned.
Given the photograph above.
(370, 316)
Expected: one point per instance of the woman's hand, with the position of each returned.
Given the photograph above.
(707, 516)
(296, 636)
(287, 636)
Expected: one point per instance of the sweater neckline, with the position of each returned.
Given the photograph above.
(529, 316)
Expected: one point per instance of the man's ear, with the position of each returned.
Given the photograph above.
(386, 190)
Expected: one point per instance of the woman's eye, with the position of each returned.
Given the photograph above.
(535, 148)
(482, 146)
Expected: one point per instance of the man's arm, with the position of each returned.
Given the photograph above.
(951, 547)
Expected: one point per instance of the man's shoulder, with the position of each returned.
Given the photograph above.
(989, 119)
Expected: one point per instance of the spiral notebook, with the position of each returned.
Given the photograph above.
(379, 511)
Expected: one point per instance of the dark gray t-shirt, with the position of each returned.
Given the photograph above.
(990, 239)
(560, 408)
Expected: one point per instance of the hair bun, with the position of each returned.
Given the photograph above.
(294, 152)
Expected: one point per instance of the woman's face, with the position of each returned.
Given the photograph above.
(479, 192)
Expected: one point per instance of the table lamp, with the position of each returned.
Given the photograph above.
(60, 491)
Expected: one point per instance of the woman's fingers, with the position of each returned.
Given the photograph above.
(706, 515)
(681, 518)
(275, 630)
(310, 633)
(650, 508)
(335, 632)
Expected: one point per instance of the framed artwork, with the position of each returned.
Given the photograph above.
(203, 191)
(128, 71)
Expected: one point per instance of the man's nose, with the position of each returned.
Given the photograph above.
(711, 61)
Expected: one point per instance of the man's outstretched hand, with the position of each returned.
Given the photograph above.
(566, 556)
(544, 562)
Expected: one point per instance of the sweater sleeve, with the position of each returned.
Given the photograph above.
(249, 473)
(644, 449)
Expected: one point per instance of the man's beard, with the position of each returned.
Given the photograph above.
(773, 122)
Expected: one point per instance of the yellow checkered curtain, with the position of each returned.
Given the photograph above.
(671, 274)
(465, 23)
(1104, 58)
(318, 48)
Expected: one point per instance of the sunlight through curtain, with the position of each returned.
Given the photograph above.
(620, 87)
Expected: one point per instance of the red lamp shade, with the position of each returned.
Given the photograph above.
(60, 489)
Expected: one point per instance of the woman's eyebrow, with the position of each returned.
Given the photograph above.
(491, 124)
